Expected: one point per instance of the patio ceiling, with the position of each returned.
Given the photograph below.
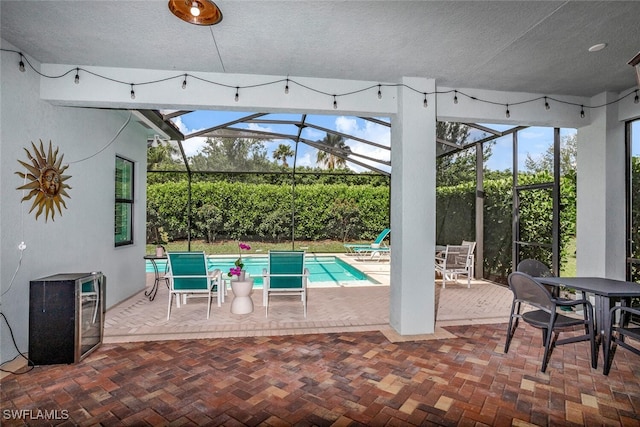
(539, 47)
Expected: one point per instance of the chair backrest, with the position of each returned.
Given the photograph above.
(286, 263)
(183, 264)
(472, 246)
(534, 268)
(527, 290)
(457, 256)
(382, 236)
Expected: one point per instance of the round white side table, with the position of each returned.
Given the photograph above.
(242, 302)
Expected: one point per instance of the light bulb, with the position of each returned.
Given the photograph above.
(184, 82)
(335, 103)
(379, 93)
(455, 97)
(21, 64)
(237, 95)
(77, 79)
(507, 113)
(582, 111)
(195, 10)
(286, 88)
(133, 94)
(636, 100)
(425, 104)
(546, 104)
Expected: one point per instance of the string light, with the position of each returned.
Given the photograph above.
(23, 62)
(507, 113)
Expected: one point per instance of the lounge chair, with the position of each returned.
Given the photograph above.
(359, 248)
(188, 275)
(285, 275)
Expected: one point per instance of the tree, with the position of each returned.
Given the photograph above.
(281, 153)
(460, 166)
(326, 157)
(162, 155)
(568, 153)
(231, 154)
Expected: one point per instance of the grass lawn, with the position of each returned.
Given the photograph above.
(230, 247)
(568, 268)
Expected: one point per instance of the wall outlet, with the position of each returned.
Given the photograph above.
(22, 246)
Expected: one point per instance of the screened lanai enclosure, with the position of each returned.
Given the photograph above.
(314, 182)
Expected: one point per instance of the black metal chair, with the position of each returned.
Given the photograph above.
(546, 316)
(536, 268)
(619, 332)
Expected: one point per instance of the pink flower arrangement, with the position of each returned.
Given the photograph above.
(235, 271)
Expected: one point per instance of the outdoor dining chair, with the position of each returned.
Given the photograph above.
(536, 268)
(545, 316)
(285, 275)
(454, 260)
(620, 332)
(189, 276)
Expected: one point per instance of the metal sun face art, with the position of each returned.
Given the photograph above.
(46, 180)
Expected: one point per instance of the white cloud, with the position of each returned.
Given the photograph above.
(192, 146)
(371, 132)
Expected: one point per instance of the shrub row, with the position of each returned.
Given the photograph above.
(227, 210)
(236, 210)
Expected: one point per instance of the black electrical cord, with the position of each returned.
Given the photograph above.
(30, 364)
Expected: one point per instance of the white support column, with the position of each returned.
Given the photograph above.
(413, 132)
(601, 193)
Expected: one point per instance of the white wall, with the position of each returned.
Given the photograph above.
(82, 238)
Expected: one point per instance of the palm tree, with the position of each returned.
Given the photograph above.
(281, 153)
(327, 158)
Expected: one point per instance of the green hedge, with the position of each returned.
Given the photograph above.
(455, 219)
(226, 210)
(236, 210)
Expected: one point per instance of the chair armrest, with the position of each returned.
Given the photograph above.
(571, 302)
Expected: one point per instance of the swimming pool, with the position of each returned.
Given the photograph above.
(322, 269)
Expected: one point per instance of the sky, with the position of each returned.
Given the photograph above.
(533, 140)
(307, 155)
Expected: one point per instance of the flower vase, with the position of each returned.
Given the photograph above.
(241, 276)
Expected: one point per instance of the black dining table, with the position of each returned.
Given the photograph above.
(606, 292)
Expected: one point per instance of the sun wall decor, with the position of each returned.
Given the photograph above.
(46, 181)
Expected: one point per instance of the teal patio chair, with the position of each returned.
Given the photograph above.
(188, 276)
(285, 275)
(359, 248)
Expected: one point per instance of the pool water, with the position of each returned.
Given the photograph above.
(321, 268)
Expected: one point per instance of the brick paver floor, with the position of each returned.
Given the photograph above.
(339, 379)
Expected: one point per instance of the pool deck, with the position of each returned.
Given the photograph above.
(348, 308)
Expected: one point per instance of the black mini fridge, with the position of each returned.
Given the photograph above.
(66, 317)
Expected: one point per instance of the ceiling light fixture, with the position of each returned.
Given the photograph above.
(197, 12)
(597, 47)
